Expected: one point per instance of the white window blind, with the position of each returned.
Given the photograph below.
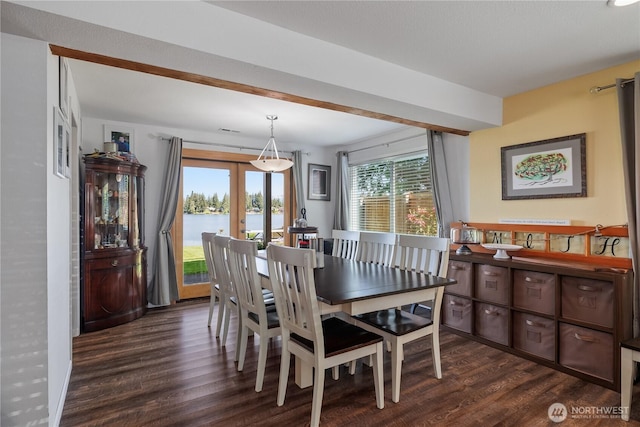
(394, 196)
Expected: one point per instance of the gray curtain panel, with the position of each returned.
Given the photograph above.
(297, 181)
(629, 106)
(341, 213)
(440, 182)
(163, 288)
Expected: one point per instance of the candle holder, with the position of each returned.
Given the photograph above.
(465, 235)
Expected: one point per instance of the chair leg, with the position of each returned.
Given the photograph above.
(435, 354)
(335, 372)
(221, 312)
(262, 361)
(239, 341)
(352, 367)
(626, 381)
(225, 330)
(318, 390)
(396, 371)
(285, 360)
(212, 303)
(378, 376)
(242, 337)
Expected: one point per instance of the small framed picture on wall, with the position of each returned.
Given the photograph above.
(60, 144)
(121, 135)
(319, 182)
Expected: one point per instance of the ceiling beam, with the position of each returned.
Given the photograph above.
(239, 87)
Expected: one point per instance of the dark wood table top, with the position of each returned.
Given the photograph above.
(344, 281)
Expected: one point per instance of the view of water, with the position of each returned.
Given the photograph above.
(194, 225)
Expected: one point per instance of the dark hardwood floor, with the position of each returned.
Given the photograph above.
(168, 369)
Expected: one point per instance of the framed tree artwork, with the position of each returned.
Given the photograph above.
(550, 168)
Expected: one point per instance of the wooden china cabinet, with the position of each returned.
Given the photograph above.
(114, 267)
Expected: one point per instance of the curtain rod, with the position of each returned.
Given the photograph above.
(217, 144)
(384, 144)
(597, 89)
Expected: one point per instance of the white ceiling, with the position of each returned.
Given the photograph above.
(499, 48)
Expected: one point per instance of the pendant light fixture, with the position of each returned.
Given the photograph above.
(269, 163)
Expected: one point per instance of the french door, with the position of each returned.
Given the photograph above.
(227, 196)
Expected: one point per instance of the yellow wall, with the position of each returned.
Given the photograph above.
(561, 109)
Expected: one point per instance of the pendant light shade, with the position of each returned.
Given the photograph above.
(271, 162)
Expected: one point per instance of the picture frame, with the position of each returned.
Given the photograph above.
(67, 145)
(319, 182)
(551, 168)
(60, 144)
(122, 135)
(63, 86)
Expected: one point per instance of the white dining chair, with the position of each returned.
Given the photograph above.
(322, 343)
(228, 298)
(376, 248)
(424, 255)
(208, 247)
(345, 243)
(255, 315)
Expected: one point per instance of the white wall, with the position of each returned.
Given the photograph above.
(34, 230)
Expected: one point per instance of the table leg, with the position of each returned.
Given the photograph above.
(626, 380)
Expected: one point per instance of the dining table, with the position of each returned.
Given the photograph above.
(355, 287)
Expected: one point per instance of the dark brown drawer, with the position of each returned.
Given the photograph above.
(586, 350)
(534, 334)
(587, 300)
(534, 291)
(456, 313)
(461, 272)
(492, 284)
(492, 323)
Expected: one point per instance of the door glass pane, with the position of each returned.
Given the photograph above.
(206, 208)
(277, 208)
(254, 206)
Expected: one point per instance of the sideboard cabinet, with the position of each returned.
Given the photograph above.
(113, 277)
(567, 316)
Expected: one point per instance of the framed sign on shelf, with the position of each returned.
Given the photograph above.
(551, 168)
(319, 182)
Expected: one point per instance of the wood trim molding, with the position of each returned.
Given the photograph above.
(239, 87)
(542, 236)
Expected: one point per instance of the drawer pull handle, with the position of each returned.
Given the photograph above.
(535, 324)
(588, 288)
(531, 280)
(584, 338)
(490, 273)
(114, 263)
(491, 312)
(456, 303)
(457, 267)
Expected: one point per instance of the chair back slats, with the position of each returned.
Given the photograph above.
(208, 248)
(345, 243)
(424, 254)
(244, 276)
(291, 275)
(377, 248)
(220, 260)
